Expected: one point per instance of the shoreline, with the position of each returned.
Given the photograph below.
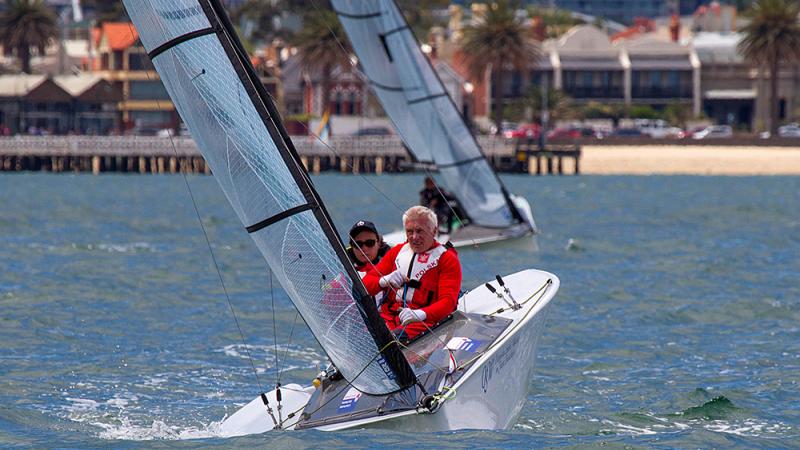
(689, 160)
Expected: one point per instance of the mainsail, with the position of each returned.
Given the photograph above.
(420, 108)
(235, 124)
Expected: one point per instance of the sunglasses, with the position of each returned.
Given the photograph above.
(369, 243)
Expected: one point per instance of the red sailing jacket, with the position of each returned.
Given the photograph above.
(437, 290)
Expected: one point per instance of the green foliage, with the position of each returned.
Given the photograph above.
(322, 45)
(643, 112)
(27, 24)
(597, 110)
(106, 11)
(677, 114)
(498, 39)
(559, 105)
(770, 38)
(418, 14)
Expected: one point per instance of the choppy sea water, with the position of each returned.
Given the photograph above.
(677, 323)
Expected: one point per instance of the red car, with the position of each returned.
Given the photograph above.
(525, 130)
(564, 133)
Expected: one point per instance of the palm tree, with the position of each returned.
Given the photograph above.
(772, 37)
(26, 24)
(322, 46)
(499, 41)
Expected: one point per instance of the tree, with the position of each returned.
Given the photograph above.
(499, 41)
(559, 105)
(419, 14)
(772, 37)
(321, 46)
(27, 24)
(106, 11)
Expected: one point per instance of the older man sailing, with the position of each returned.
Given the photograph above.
(423, 277)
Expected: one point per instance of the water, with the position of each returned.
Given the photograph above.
(677, 324)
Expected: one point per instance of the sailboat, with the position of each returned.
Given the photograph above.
(469, 371)
(431, 126)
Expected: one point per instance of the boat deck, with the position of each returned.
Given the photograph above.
(465, 335)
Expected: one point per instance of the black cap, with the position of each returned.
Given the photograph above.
(363, 225)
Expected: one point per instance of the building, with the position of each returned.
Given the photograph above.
(85, 104)
(122, 60)
(588, 67)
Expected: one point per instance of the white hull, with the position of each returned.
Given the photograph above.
(469, 235)
(493, 390)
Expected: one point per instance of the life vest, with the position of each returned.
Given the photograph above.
(414, 266)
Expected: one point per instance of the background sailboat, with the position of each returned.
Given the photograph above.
(429, 123)
(375, 379)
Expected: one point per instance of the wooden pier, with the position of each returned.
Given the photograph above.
(161, 155)
(536, 159)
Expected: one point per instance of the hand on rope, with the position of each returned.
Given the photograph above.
(394, 279)
(408, 315)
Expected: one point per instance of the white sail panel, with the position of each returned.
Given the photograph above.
(417, 103)
(255, 176)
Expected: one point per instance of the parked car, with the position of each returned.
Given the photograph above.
(523, 130)
(658, 129)
(564, 133)
(714, 132)
(791, 130)
(504, 127)
(628, 132)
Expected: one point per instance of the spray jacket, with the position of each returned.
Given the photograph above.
(433, 286)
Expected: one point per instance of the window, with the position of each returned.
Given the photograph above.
(147, 90)
(586, 79)
(655, 78)
(139, 61)
(118, 60)
(673, 79)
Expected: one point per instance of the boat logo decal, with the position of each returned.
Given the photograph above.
(463, 343)
(349, 400)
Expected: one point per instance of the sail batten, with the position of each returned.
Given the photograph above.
(236, 127)
(423, 113)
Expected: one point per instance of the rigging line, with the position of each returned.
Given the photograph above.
(288, 343)
(350, 382)
(475, 243)
(516, 324)
(208, 241)
(274, 329)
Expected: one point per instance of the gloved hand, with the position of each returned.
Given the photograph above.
(394, 279)
(408, 315)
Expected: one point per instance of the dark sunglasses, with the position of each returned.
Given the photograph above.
(369, 243)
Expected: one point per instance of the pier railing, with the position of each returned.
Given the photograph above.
(151, 154)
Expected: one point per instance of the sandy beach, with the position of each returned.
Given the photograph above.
(691, 160)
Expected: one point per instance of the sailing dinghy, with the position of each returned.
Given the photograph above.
(472, 370)
(428, 121)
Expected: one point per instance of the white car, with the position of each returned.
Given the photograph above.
(713, 132)
(791, 130)
(658, 129)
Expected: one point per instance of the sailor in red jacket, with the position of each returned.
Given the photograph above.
(423, 277)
